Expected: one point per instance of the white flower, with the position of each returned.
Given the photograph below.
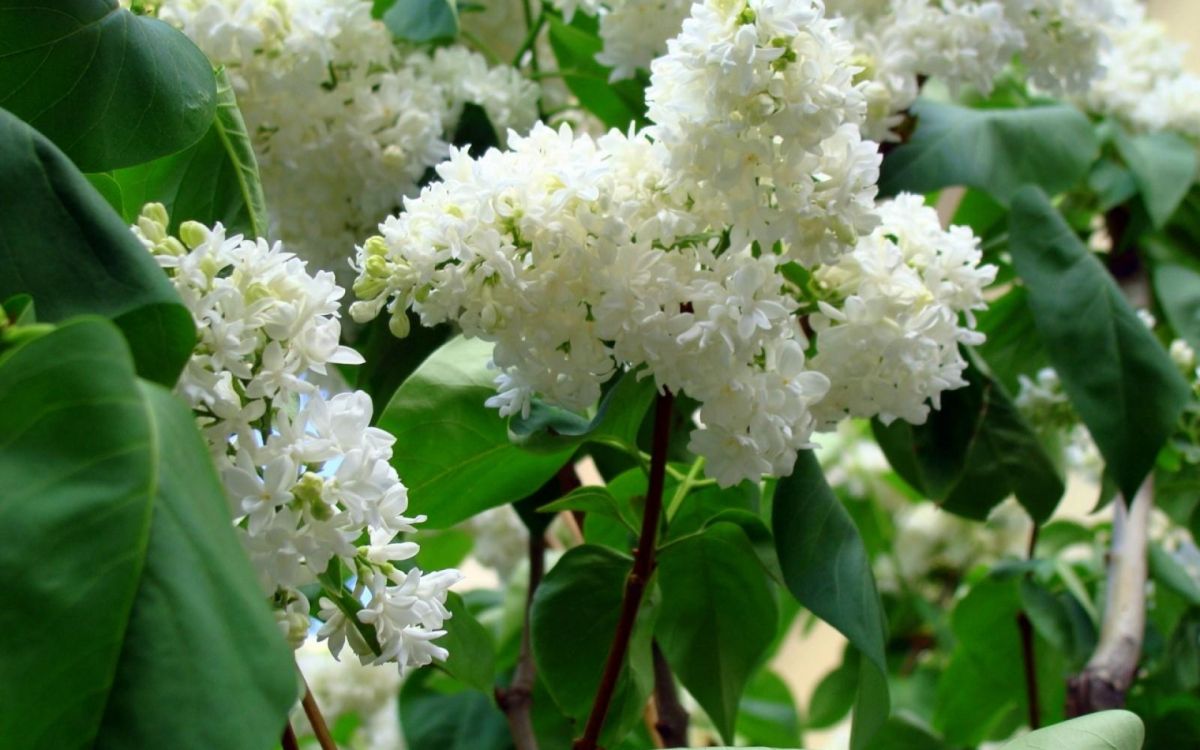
(635, 32)
(892, 346)
(305, 473)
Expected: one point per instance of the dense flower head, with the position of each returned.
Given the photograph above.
(666, 252)
(1145, 83)
(634, 32)
(344, 123)
(756, 106)
(889, 337)
(970, 42)
(308, 479)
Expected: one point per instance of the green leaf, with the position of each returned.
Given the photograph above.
(575, 45)
(1168, 572)
(472, 655)
(982, 690)
(1105, 730)
(1012, 347)
(974, 452)
(701, 577)
(389, 360)
(1178, 290)
(906, 733)
(63, 245)
(767, 713)
(833, 697)
(419, 21)
(458, 460)
(1117, 375)
(598, 500)
(995, 150)
(440, 716)
(574, 617)
(618, 417)
(215, 179)
(110, 88)
(141, 623)
(1163, 167)
(827, 569)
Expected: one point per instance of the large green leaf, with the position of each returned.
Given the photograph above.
(215, 179)
(1012, 347)
(456, 458)
(64, 246)
(982, 691)
(574, 617)
(700, 577)
(974, 452)
(827, 569)
(616, 422)
(110, 88)
(767, 713)
(140, 622)
(575, 45)
(1117, 375)
(1178, 290)
(438, 715)
(1106, 730)
(995, 150)
(1163, 167)
(472, 657)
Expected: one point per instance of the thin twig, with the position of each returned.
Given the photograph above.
(315, 719)
(289, 737)
(639, 576)
(671, 723)
(516, 701)
(1108, 675)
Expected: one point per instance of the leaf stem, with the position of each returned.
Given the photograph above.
(639, 576)
(1028, 656)
(315, 719)
(516, 701)
(687, 485)
(480, 46)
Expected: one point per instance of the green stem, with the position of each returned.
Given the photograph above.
(530, 42)
(687, 485)
(479, 46)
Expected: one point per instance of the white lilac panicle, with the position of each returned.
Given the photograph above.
(308, 479)
(569, 255)
(344, 125)
(969, 42)
(756, 105)
(890, 346)
(634, 32)
(1145, 82)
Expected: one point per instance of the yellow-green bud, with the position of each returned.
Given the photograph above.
(375, 247)
(398, 324)
(193, 234)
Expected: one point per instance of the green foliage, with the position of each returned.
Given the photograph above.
(618, 417)
(63, 245)
(1178, 290)
(472, 656)
(1163, 166)
(826, 567)
(215, 179)
(110, 88)
(974, 452)
(995, 150)
(714, 578)
(574, 617)
(439, 714)
(143, 626)
(1106, 730)
(1118, 377)
(575, 45)
(1012, 347)
(767, 712)
(453, 451)
(419, 21)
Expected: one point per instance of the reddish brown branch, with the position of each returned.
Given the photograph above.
(639, 576)
(516, 701)
(671, 719)
(316, 720)
(1028, 656)
(289, 737)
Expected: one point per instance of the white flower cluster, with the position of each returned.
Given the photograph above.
(664, 251)
(344, 124)
(1059, 42)
(755, 105)
(501, 539)
(634, 32)
(1042, 400)
(307, 478)
(1145, 82)
(892, 343)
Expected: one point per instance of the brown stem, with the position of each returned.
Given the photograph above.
(1108, 675)
(671, 723)
(289, 737)
(516, 701)
(639, 576)
(315, 719)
